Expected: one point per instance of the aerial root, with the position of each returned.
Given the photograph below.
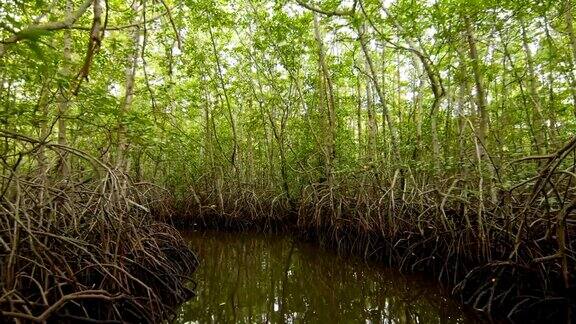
(512, 257)
(85, 249)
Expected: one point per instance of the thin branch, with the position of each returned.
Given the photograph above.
(31, 31)
(329, 13)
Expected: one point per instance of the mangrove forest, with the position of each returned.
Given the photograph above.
(281, 161)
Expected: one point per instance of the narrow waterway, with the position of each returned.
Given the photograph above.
(249, 278)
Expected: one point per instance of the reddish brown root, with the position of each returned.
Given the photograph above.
(514, 257)
(75, 249)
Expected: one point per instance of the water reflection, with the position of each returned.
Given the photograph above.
(248, 278)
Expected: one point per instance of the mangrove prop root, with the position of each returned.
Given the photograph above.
(84, 248)
(511, 257)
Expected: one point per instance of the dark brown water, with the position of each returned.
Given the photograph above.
(252, 278)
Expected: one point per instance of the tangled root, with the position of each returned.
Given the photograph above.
(513, 256)
(84, 248)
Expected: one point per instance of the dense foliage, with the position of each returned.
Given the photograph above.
(444, 110)
(255, 93)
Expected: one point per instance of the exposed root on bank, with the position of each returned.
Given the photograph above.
(511, 257)
(83, 247)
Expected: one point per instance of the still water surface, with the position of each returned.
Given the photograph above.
(253, 278)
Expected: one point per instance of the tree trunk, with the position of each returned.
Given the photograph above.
(330, 152)
(359, 117)
(234, 156)
(372, 124)
(483, 120)
(380, 92)
(126, 103)
(63, 98)
(208, 156)
(480, 91)
(537, 120)
(418, 111)
(568, 16)
(44, 133)
(553, 133)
